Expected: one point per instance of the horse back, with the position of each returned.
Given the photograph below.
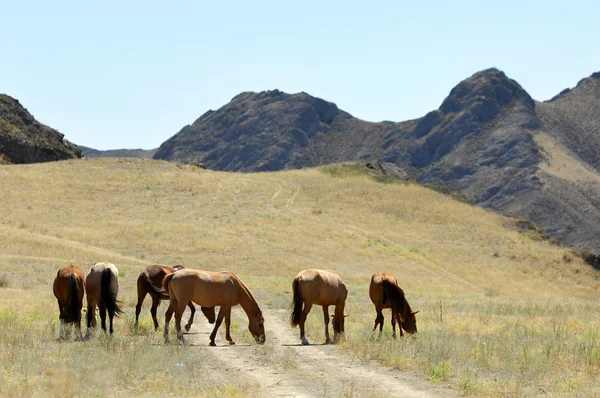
(205, 288)
(321, 287)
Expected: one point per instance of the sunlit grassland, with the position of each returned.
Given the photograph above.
(518, 316)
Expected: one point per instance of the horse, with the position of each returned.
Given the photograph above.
(211, 289)
(150, 282)
(324, 288)
(101, 288)
(385, 293)
(68, 289)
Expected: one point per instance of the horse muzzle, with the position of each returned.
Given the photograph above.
(260, 339)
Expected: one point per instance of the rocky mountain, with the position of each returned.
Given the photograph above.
(489, 140)
(117, 153)
(24, 140)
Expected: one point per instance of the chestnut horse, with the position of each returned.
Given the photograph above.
(211, 289)
(150, 282)
(385, 293)
(102, 287)
(68, 289)
(324, 288)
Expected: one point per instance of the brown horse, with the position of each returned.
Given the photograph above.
(102, 287)
(150, 282)
(324, 288)
(385, 293)
(211, 289)
(68, 289)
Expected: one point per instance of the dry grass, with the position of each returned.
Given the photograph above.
(518, 318)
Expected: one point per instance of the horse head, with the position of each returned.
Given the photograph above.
(256, 326)
(338, 323)
(410, 323)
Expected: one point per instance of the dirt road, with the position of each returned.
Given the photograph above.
(284, 368)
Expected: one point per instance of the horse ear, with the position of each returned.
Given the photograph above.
(415, 313)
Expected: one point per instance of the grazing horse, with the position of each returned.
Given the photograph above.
(102, 287)
(385, 293)
(211, 289)
(324, 288)
(68, 289)
(150, 282)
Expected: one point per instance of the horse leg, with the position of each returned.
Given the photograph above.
(394, 316)
(138, 308)
(61, 319)
(191, 320)
(222, 312)
(400, 320)
(91, 317)
(305, 311)
(326, 319)
(155, 304)
(168, 315)
(227, 324)
(102, 310)
(379, 319)
(178, 314)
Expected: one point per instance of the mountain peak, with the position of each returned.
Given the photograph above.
(484, 93)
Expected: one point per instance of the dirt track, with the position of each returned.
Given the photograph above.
(283, 367)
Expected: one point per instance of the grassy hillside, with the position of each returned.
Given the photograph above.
(518, 315)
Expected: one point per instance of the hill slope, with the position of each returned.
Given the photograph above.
(487, 140)
(519, 315)
(117, 153)
(24, 140)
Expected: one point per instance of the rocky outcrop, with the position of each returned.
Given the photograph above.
(24, 140)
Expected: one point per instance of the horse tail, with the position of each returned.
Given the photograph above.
(73, 304)
(109, 299)
(159, 291)
(166, 281)
(296, 303)
(394, 294)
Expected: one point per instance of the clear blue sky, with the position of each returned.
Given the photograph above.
(130, 74)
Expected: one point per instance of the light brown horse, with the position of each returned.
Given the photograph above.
(102, 287)
(69, 288)
(211, 289)
(385, 293)
(324, 288)
(150, 282)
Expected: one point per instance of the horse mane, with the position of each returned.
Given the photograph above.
(248, 292)
(395, 294)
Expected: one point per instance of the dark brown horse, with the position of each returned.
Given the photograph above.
(102, 287)
(150, 282)
(212, 289)
(324, 288)
(385, 293)
(69, 287)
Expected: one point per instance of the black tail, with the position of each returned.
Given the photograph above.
(74, 303)
(165, 283)
(110, 300)
(394, 294)
(159, 291)
(296, 303)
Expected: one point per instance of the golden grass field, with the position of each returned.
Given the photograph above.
(502, 313)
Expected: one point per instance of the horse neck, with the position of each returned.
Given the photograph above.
(247, 301)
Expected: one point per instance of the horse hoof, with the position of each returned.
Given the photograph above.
(232, 342)
(305, 342)
(187, 328)
(328, 341)
(212, 344)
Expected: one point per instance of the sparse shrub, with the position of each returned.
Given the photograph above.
(4, 282)
(122, 273)
(491, 292)
(439, 371)
(467, 386)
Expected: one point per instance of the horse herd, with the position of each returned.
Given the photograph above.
(184, 286)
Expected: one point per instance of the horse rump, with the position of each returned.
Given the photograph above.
(296, 303)
(109, 299)
(145, 282)
(165, 283)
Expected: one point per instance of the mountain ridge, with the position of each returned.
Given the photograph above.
(483, 141)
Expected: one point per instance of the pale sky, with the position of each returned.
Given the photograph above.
(130, 74)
